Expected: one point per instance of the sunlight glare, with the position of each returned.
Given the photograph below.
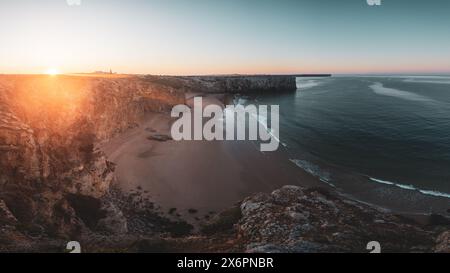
(52, 71)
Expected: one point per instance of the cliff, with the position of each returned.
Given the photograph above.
(245, 84)
(51, 176)
(231, 84)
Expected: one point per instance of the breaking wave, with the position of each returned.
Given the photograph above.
(411, 187)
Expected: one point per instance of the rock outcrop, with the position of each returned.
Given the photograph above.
(294, 219)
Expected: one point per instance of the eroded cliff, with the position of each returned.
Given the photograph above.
(230, 84)
(48, 130)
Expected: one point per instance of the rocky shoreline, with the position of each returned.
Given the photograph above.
(56, 186)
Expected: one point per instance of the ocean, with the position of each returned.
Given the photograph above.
(393, 130)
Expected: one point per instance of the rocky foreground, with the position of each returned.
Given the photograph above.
(55, 186)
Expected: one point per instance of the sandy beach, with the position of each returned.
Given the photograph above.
(200, 176)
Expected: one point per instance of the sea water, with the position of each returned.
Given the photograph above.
(393, 130)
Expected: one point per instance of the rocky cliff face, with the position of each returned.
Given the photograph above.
(231, 84)
(51, 176)
(245, 84)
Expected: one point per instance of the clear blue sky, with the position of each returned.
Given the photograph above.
(225, 36)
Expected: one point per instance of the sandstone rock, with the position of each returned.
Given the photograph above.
(443, 242)
(48, 131)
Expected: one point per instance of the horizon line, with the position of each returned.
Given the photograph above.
(242, 74)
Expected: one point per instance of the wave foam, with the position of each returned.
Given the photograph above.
(307, 83)
(432, 80)
(379, 89)
(262, 120)
(314, 170)
(411, 187)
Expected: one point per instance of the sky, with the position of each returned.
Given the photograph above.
(187, 37)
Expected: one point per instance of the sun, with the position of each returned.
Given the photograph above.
(52, 71)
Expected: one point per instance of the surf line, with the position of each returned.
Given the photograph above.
(221, 123)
